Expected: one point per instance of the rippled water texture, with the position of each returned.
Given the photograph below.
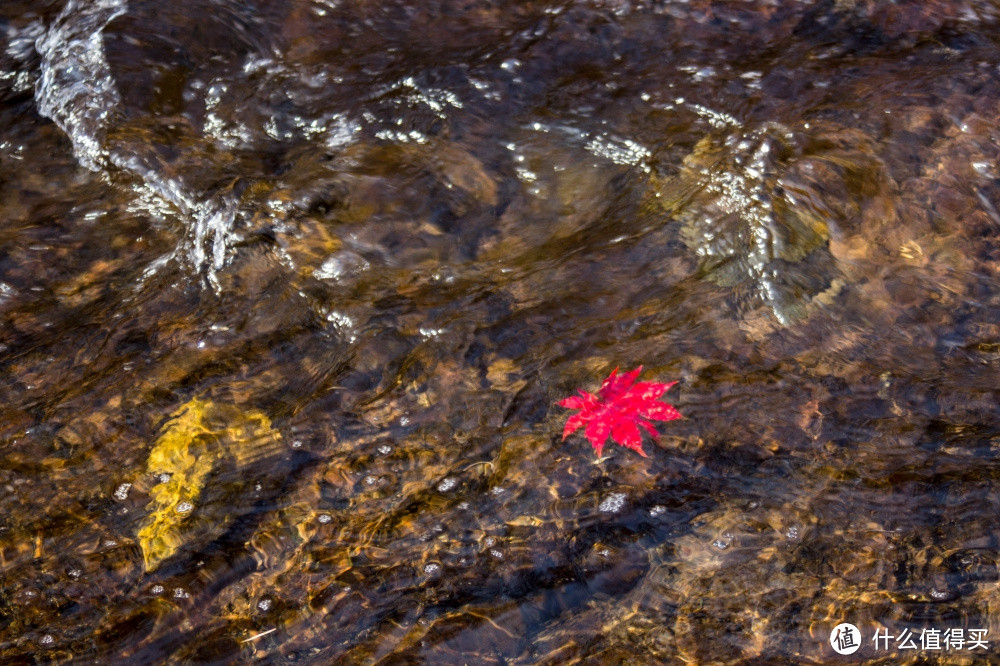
(289, 291)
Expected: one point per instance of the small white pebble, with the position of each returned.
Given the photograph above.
(297, 444)
(370, 480)
(431, 568)
(613, 503)
(156, 589)
(184, 507)
(385, 449)
(163, 478)
(720, 544)
(447, 484)
(121, 492)
(657, 510)
(490, 541)
(324, 518)
(496, 553)
(47, 639)
(181, 593)
(264, 604)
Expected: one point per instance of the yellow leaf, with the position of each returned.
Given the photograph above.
(196, 436)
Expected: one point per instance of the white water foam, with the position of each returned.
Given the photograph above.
(78, 93)
(76, 89)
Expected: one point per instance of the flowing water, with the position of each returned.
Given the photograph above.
(289, 290)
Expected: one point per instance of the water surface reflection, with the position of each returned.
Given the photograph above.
(289, 290)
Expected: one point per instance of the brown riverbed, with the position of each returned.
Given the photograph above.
(289, 291)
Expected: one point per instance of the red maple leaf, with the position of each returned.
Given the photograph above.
(619, 409)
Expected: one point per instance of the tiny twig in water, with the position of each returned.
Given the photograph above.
(255, 637)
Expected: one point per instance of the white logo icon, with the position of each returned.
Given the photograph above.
(845, 638)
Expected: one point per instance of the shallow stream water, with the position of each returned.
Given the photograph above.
(289, 290)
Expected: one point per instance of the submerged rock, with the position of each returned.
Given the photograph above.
(760, 206)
